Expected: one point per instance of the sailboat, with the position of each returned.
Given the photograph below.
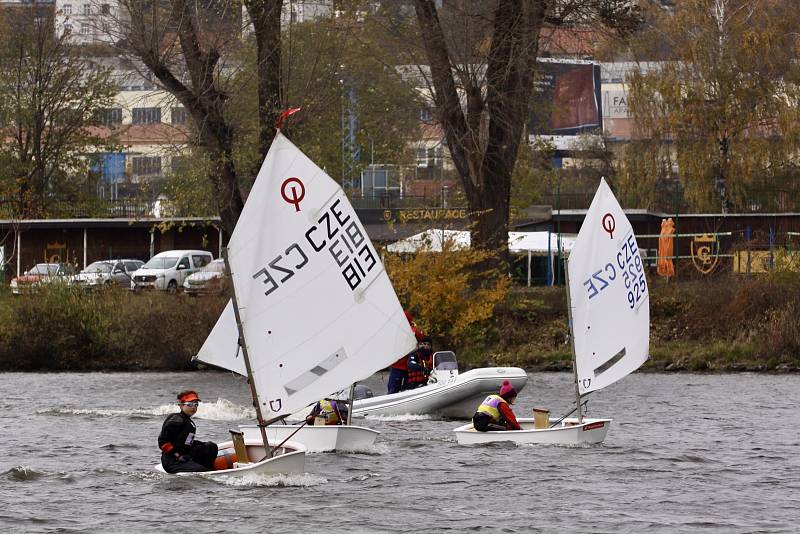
(609, 314)
(316, 310)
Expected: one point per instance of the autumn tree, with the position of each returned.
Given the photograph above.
(721, 105)
(52, 99)
(482, 58)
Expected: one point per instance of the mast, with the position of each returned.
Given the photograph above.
(572, 344)
(250, 381)
(350, 403)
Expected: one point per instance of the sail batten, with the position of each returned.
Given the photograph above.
(317, 308)
(609, 296)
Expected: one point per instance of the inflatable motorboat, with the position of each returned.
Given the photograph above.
(448, 394)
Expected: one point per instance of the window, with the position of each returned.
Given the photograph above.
(68, 9)
(184, 263)
(131, 266)
(110, 116)
(178, 115)
(86, 29)
(105, 9)
(67, 28)
(425, 114)
(146, 115)
(200, 261)
(87, 9)
(146, 165)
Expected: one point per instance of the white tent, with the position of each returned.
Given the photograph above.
(532, 243)
(432, 240)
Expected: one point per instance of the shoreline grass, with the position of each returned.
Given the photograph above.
(723, 325)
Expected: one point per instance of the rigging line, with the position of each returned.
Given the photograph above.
(583, 404)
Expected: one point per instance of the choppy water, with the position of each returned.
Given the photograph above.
(686, 453)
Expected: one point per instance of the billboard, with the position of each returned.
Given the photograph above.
(566, 98)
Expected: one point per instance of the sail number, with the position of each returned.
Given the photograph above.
(338, 233)
(628, 266)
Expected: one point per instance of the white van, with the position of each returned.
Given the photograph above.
(166, 271)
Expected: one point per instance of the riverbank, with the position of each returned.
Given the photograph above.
(723, 325)
(727, 324)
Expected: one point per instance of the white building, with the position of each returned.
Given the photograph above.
(88, 21)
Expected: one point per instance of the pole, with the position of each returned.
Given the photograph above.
(253, 392)
(572, 342)
(84, 248)
(350, 403)
(558, 229)
(529, 268)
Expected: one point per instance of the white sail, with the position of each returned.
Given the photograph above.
(221, 348)
(318, 311)
(609, 296)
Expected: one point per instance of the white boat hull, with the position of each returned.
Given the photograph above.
(568, 432)
(317, 438)
(287, 460)
(456, 399)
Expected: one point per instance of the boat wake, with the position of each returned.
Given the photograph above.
(305, 480)
(376, 449)
(22, 473)
(221, 410)
(400, 418)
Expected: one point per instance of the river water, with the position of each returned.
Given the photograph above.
(686, 453)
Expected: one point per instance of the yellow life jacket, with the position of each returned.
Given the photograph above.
(491, 406)
(328, 412)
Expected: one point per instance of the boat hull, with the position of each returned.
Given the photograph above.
(456, 399)
(568, 432)
(317, 438)
(288, 460)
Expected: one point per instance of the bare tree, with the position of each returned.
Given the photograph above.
(51, 101)
(482, 69)
(265, 16)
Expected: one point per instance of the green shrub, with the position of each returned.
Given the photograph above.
(61, 328)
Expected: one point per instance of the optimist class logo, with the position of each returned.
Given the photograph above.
(291, 193)
(609, 224)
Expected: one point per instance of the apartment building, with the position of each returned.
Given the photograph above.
(152, 130)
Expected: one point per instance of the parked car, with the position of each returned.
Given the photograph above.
(107, 272)
(40, 273)
(209, 279)
(166, 271)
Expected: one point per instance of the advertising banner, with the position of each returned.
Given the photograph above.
(567, 98)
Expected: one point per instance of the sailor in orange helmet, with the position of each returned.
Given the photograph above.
(495, 412)
(180, 452)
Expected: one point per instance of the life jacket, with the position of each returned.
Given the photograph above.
(329, 412)
(418, 370)
(177, 434)
(491, 407)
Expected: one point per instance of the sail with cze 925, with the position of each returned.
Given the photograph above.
(609, 310)
(609, 296)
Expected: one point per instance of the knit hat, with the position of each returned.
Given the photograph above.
(507, 391)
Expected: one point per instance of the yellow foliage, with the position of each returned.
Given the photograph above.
(451, 294)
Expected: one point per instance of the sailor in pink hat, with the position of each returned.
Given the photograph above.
(495, 412)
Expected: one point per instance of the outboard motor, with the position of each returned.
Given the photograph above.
(362, 392)
(445, 368)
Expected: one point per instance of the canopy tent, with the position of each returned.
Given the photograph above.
(530, 243)
(521, 242)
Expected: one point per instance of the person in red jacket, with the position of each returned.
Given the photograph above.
(398, 371)
(495, 412)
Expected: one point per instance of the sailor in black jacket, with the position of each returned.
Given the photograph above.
(180, 452)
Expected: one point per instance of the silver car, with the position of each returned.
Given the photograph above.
(107, 272)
